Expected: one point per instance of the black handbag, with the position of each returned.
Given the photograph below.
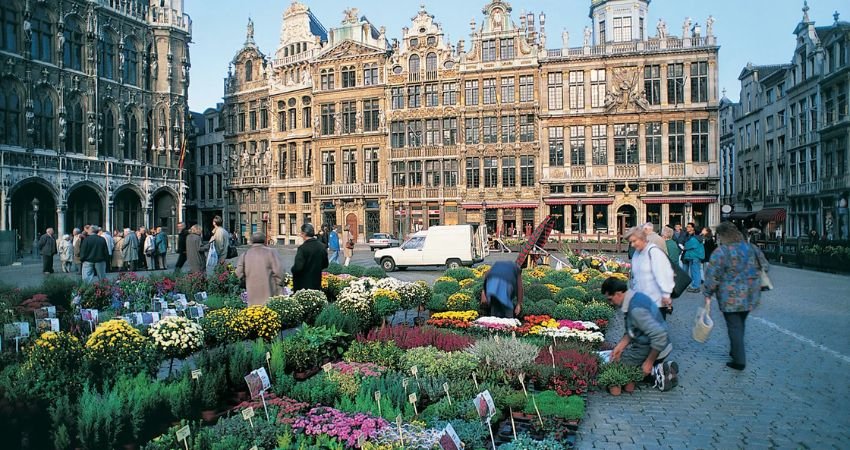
(681, 279)
(232, 252)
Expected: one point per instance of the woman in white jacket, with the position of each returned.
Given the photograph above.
(150, 250)
(66, 253)
(652, 274)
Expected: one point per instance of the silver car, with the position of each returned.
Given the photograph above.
(383, 240)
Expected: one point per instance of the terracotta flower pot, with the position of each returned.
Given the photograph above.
(629, 387)
(615, 390)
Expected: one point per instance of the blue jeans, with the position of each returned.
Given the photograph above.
(92, 271)
(335, 256)
(695, 271)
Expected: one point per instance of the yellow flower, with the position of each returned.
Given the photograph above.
(467, 283)
(552, 288)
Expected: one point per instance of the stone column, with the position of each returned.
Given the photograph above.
(4, 213)
(588, 219)
(107, 217)
(60, 221)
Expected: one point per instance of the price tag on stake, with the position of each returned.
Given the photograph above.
(521, 377)
(378, 401)
(496, 338)
(552, 354)
(412, 399)
(327, 367)
(475, 380)
(414, 371)
(183, 434)
(404, 383)
(196, 374)
(248, 414)
(398, 421)
(513, 334)
(268, 357)
(487, 360)
(446, 388)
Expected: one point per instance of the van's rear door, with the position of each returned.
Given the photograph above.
(480, 249)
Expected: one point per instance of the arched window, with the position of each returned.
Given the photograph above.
(413, 64)
(74, 140)
(10, 114)
(131, 62)
(431, 62)
(349, 79)
(106, 56)
(327, 79)
(107, 145)
(249, 71)
(131, 137)
(73, 52)
(9, 28)
(44, 120)
(42, 36)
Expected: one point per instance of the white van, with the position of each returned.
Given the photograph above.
(451, 246)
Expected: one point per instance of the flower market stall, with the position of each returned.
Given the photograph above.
(368, 362)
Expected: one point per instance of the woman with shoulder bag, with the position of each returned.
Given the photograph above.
(732, 275)
(348, 251)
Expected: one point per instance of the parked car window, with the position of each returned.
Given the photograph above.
(414, 243)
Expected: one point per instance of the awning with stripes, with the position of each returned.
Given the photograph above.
(575, 201)
(771, 215)
(675, 200)
(501, 205)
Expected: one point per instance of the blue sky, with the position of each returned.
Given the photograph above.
(747, 30)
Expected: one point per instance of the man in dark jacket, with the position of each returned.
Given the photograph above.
(182, 234)
(310, 260)
(94, 254)
(503, 284)
(47, 248)
(646, 341)
(161, 242)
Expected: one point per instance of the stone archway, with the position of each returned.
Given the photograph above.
(351, 223)
(626, 218)
(165, 210)
(27, 223)
(127, 209)
(85, 207)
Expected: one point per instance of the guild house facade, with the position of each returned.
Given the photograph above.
(345, 126)
(92, 115)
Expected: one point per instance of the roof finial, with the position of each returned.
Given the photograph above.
(249, 33)
(805, 10)
(835, 16)
(724, 92)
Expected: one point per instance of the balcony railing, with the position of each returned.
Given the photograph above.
(85, 165)
(805, 189)
(626, 171)
(579, 172)
(677, 170)
(839, 182)
(618, 48)
(435, 151)
(292, 59)
(351, 190)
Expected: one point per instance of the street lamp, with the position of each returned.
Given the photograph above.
(484, 216)
(173, 219)
(35, 203)
(688, 207)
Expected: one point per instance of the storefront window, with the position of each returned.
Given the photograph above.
(600, 218)
(557, 211)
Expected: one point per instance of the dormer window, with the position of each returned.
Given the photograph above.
(414, 42)
(249, 71)
(432, 40)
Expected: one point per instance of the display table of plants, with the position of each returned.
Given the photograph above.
(181, 362)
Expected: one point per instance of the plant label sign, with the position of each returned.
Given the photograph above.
(196, 374)
(446, 388)
(405, 383)
(475, 380)
(327, 367)
(183, 434)
(16, 330)
(521, 377)
(449, 439)
(414, 371)
(45, 312)
(258, 381)
(497, 339)
(484, 405)
(361, 440)
(398, 422)
(180, 302)
(248, 414)
(47, 324)
(552, 354)
(89, 315)
(378, 401)
(194, 312)
(201, 297)
(253, 448)
(158, 304)
(412, 399)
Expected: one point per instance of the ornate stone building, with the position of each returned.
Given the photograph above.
(92, 114)
(497, 130)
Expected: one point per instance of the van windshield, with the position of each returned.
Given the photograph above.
(414, 243)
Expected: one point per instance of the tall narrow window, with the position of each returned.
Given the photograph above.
(44, 114)
(471, 93)
(431, 95)
(264, 116)
(283, 159)
(349, 77)
(473, 173)
(74, 140)
(653, 143)
(490, 130)
(470, 131)
(488, 50)
(622, 29)
(450, 173)
(508, 129)
(371, 115)
(626, 143)
(431, 63)
(450, 94)
(508, 171)
(131, 137)
(576, 89)
(370, 74)
(249, 70)
(432, 132)
(597, 88)
(599, 145)
(414, 173)
(699, 140)
(413, 64)
(508, 90)
(349, 166)
(676, 141)
(72, 55)
(131, 63)
(491, 172)
(328, 116)
(397, 97)
(414, 96)
(349, 117)
(699, 82)
(556, 146)
(9, 28)
(414, 133)
(432, 173)
(293, 159)
(526, 88)
(106, 56)
(489, 87)
(306, 113)
(577, 150)
(328, 167)
(526, 128)
(526, 171)
(450, 131)
(555, 90)
(107, 146)
(399, 173)
(652, 84)
(397, 132)
(41, 45)
(506, 49)
(326, 79)
(675, 84)
(372, 161)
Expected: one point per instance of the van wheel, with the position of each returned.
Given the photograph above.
(453, 264)
(388, 264)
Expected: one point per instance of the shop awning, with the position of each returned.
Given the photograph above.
(771, 215)
(501, 205)
(574, 201)
(741, 215)
(676, 200)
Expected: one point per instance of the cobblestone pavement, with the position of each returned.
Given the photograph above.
(793, 393)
